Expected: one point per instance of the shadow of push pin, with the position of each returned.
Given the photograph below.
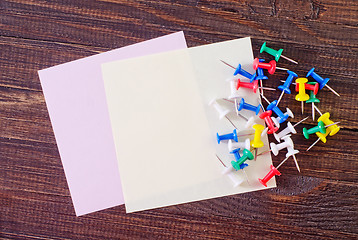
(247, 106)
(273, 172)
(313, 99)
(302, 95)
(241, 71)
(322, 82)
(276, 53)
(267, 117)
(257, 142)
(285, 88)
(232, 136)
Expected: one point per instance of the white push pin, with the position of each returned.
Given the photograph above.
(230, 172)
(275, 148)
(287, 113)
(289, 129)
(234, 145)
(250, 122)
(220, 109)
(234, 93)
(276, 122)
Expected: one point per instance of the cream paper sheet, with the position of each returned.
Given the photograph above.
(165, 132)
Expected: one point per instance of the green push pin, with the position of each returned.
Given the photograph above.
(319, 128)
(313, 99)
(246, 155)
(276, 53)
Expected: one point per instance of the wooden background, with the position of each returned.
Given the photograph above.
(320, 202)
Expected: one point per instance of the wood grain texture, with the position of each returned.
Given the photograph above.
(318, 203)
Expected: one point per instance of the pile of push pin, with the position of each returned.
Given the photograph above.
(324, 127)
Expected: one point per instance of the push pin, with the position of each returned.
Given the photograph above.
(273, 172)
(234, 94)
(312, 86)
(250, 122)
(276, 53)
(319, 128)
(241, 71)
(260, 72)
(236, 154)
(220, 109)
(257, 142)
(254, 86)
(275, 148)
(282, 117)
(289, 129)
(333, 128)
(288, 112)
(246, 155)
(321, 136)
(229, 171)
(271, 66)
(285, 88)
(313, 99)
(302, 95)
(232, 136)
(247, 106)
(242, 145)
(267, 116)
(322, 82)
(292, 152)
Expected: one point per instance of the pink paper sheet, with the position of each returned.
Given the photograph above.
(76, 101)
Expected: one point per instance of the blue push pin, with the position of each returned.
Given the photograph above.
(236, 154)
(232, 136)
(242, 72)
(285, 88)
(238, 167)
(243, 105)
(322, 82)
(260, 72)
(273, 106)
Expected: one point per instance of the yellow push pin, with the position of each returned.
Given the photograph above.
(302, 96)
(257, 142)
(325, 119)
(321, 136)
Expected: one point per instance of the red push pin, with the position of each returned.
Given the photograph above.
(267, 116)
(254, 85)
(312, 87)
(270, 66)
(273, 172)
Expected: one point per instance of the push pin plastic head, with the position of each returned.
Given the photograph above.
(267, 116)
(257, 142)
(273, 172)
(260, 73)
(285, 88)
(254, 85)
(313, 99)
(275, 148)
(288, 130)
(220, 109)
(250, 122)
(241, 145)
(271, 66)
(310, 86)
(244, 105)
(241, 71)
(232, 136)
(233, 92)
(320, 127)
(246, 155)
(322, 82)
(273, 106)
(276, 53)
(302, 95)
(321, 136)
(325, 119)
(236, 153)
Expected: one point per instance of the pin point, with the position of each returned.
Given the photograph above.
(271, 66)
(241, 71)
(302, 95)
(289, 129)
(322, 82)
(313, 100)
(239, 145)
(320, 127)
(220, 109)
(333, 127)
(321, 136)
(276, 53)
(254, 86)
(246, 155)
(275, 148)
(273, 106)
(243, 105)
(267, 116)
(228, 136)
(285, 88)
(260, 72)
